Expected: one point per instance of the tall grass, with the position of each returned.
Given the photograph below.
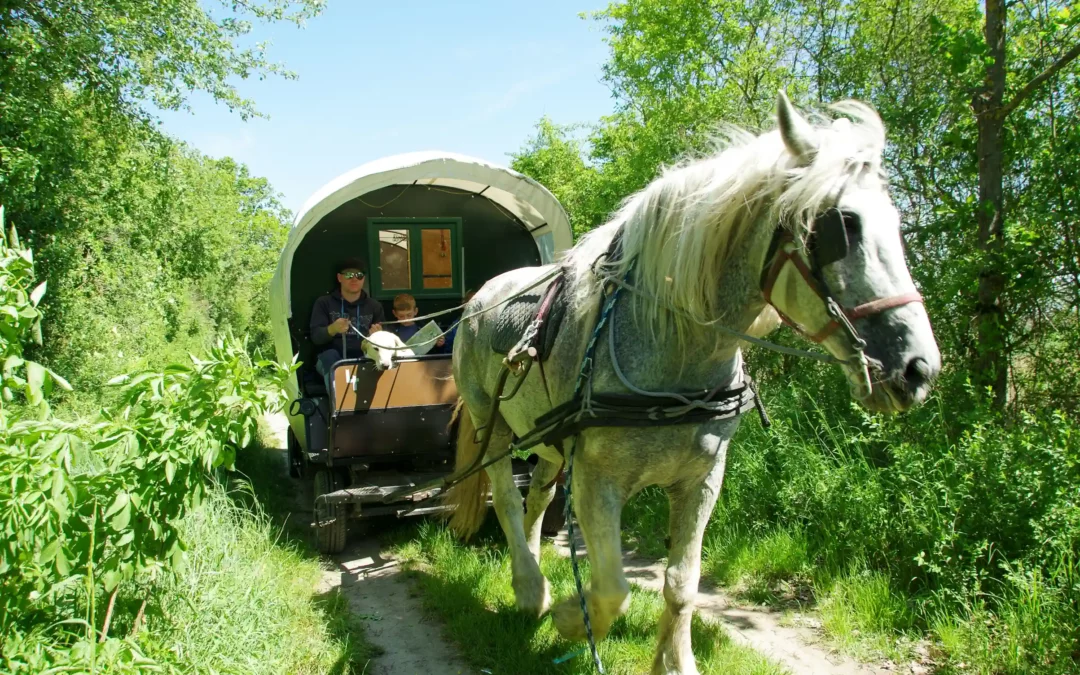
(242, 604)
(245, 603)
(943, 523)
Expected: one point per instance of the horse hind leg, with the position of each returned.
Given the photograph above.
(541, 491)
(692, 503)
(468, 499)
(598, 505)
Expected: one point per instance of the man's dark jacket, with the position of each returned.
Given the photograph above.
(329, 308)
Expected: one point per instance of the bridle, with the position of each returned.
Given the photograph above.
(788, 265)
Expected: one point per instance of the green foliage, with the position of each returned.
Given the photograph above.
(149, 249)
(558, 157)
(20, 318)
(97, 503)
(130, 52)
(225, 611)
(125, 506)
(90, 505)
(176, 249)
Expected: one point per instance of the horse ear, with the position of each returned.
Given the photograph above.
(799, 137)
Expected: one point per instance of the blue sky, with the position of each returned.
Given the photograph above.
(378, 79)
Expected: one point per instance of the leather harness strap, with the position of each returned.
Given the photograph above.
(786, 252)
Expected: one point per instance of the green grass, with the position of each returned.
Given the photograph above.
(468, 588)
(768, 569)
(1022, 634)
(245, 603)
(863, 615)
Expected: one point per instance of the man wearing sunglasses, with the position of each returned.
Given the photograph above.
(334, 316)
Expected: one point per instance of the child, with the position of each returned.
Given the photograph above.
(405, 311)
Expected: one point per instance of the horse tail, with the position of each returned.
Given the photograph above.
(467, 500)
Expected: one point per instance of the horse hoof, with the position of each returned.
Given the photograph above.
(568, 620)
(663, 665)
(532, 595)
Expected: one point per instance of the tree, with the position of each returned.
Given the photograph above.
(992, 111)
(556, 159)
(148, 247)
(1008, 289)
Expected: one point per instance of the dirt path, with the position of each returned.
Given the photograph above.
(394, 619)
(759, 629)
(380, 596)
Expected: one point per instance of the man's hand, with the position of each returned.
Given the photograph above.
(441, 341)
(338, 327)
(375, 327)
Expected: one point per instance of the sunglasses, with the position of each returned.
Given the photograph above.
(353, 275)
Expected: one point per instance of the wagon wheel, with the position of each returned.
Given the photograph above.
(330, 519)
(294, 455)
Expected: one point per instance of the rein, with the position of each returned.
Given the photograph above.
(557, 272)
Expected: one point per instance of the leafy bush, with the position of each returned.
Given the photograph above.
(91, 507)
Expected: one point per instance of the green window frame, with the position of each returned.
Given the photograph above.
(415, 228)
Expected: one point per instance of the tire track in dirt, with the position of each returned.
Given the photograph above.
(379, 596)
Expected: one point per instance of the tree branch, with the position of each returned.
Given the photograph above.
(108, 614)
(1045, 75)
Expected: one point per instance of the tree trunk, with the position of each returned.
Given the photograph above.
(991, 360)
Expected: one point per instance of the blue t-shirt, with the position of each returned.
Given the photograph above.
(405, 332)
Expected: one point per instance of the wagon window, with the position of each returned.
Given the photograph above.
(437, 259)
(418, 256)
(394, 259)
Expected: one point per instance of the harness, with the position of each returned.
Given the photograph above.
(792, 270)
(789, 269)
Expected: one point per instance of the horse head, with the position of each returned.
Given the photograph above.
(838, 273)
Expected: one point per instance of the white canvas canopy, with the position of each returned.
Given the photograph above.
(522, 197)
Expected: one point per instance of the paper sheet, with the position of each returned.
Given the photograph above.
(425, 334)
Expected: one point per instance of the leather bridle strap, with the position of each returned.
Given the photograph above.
(880, 305)
(785, 253)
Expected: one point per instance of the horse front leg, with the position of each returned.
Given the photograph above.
(598, 502)
(531, 590)
(692, 503)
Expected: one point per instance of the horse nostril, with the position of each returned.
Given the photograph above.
(917, 374)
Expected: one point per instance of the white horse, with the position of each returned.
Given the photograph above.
(382, 347)
(795, 224)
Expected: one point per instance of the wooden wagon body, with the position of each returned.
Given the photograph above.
(433, 225)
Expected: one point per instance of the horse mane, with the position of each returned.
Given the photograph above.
(683, 228)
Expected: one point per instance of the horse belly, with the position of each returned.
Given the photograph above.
(641, 456)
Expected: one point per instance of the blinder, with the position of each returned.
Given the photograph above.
(829, 242)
